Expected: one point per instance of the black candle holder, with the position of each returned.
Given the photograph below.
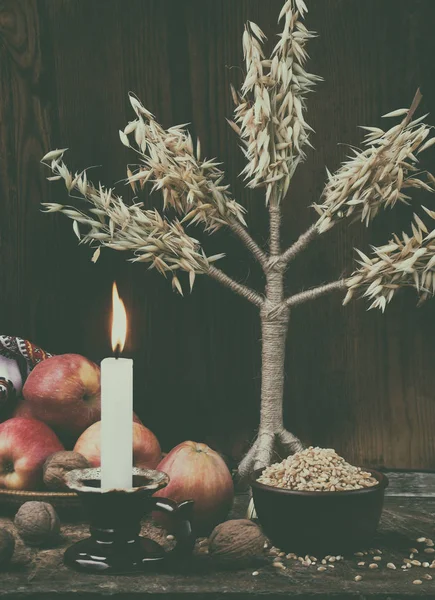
(115, 546)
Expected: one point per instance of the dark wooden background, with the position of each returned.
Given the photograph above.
(356, 380)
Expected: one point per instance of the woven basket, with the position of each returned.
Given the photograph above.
(66, 503)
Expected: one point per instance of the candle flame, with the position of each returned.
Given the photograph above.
(119, 322)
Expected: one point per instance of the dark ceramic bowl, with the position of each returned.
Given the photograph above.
(319, 523)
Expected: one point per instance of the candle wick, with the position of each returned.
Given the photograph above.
(117, 351)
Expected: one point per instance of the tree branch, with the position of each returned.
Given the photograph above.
(274, 199)
(303, 240)
(275, 227)
(301, 243)
(314, 293)
(240, 289)
(246, 238)
(307, 295)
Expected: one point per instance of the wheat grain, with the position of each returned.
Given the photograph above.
(317, 470)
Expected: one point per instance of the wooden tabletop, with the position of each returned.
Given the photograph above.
(40, 574)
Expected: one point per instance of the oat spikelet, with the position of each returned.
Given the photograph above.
(192, 186)
(106, 220)
(377, 176)
(406, 261)
(269, 113)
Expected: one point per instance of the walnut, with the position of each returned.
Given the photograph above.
(57, 465)
(238, 540)
(37, 523)
(7, 547)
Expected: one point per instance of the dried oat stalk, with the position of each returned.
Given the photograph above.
(269, 113)
(168, 159)
(378, 176)
(105, 220)
(274, 135)
(406, 261)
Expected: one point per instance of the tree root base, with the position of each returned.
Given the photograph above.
(268, 447)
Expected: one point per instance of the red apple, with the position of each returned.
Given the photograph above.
(64, 392)
(198, 473)
(24, 409)
(25, 444)
(146, 448)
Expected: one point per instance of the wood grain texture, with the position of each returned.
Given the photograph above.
(36, 574)
(356, 380)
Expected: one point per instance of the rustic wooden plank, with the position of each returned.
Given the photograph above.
(41, 574)
(358, 381)
(26, 253)
(414, 484)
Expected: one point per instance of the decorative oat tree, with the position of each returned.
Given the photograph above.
(270, 122)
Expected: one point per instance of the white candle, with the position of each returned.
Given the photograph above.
(117, 408)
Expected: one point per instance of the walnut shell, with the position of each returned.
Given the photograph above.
(7, 546)
(57, 465)
(37, 523)
(238, 540)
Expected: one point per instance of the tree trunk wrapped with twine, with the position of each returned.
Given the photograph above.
(269, 119)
